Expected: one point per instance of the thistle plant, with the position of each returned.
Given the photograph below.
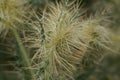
(60, 39)
(57, 46)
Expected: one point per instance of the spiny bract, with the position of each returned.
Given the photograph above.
(59, 40)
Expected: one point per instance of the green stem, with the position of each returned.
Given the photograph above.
(24, 56)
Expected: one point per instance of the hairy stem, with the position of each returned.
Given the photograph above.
(24, 56)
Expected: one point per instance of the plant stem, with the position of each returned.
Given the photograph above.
(26, 62)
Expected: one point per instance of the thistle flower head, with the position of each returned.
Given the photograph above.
(96, 33)
(99, 41)
(10, 13)
(60, 39)
(56, 39)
